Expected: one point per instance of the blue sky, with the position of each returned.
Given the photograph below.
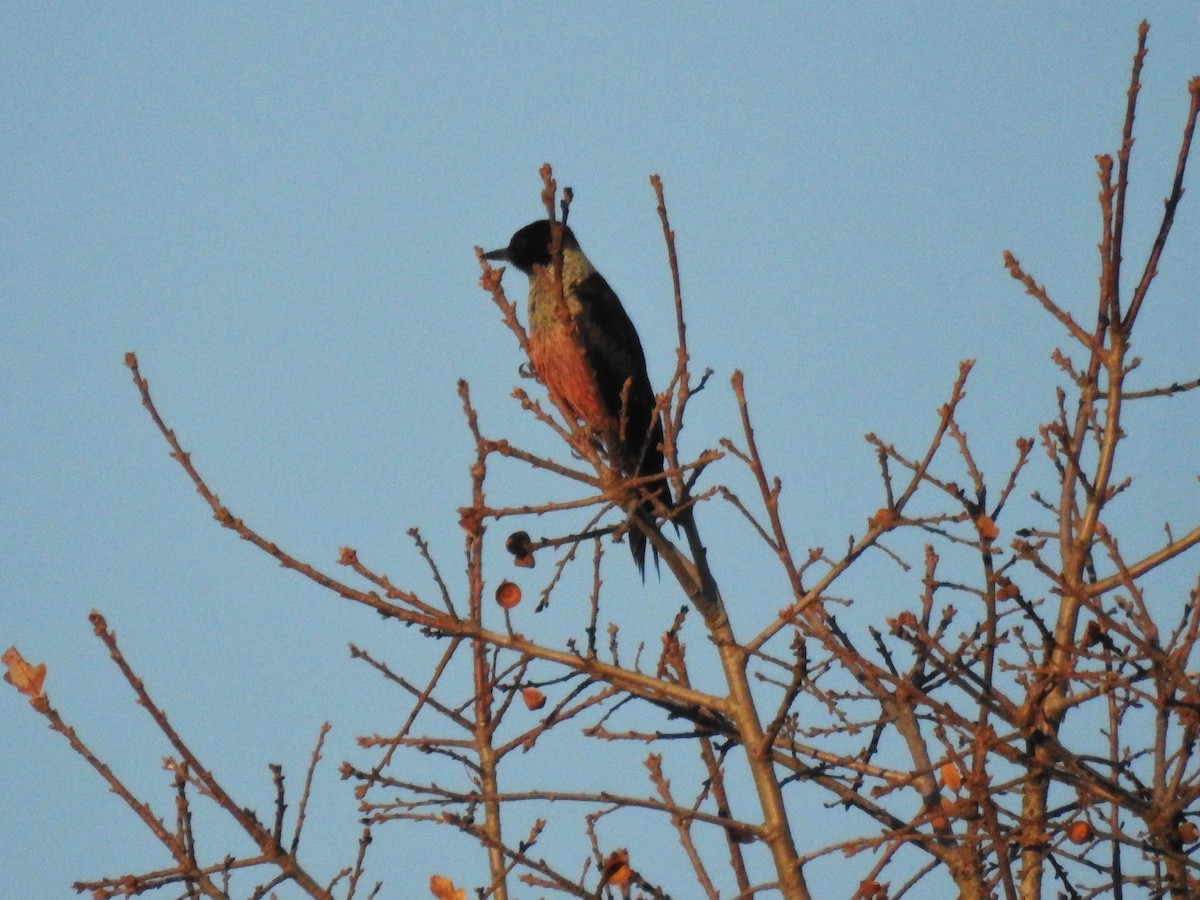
(276, 206)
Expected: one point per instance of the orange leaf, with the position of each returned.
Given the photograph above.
(443, 888)
(25, 678)
(508, 594)
(616, 869)
(951, 777)
(1188, 832)
(939, 819)
(1008, 590)
(534, 699)
(871, 890)
(987, 528)
(883, 516)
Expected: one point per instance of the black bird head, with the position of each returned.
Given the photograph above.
(530, 246)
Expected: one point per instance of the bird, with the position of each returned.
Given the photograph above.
(597, 368)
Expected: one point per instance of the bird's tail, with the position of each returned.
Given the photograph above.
(654, 494)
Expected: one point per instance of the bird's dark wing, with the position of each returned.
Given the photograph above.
(615, 354)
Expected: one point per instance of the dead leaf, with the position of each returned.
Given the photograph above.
(951, 777)
(882, 518)
(25, 678)
(987, 528)
(616, 869)
(1008, 590)
(443, 888)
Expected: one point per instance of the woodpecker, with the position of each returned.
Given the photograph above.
(589, 370)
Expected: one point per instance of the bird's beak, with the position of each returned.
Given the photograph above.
(501, 254)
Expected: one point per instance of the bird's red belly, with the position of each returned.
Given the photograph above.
(561, 366)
